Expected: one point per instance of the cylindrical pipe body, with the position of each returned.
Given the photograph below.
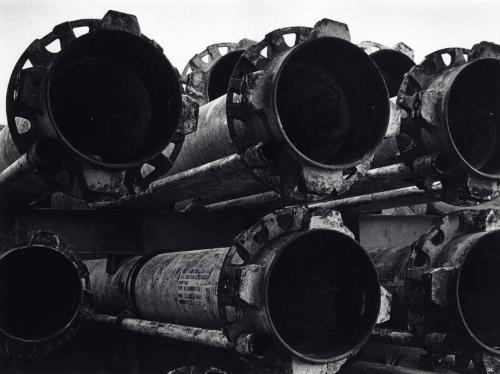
(344, 119)
(43, 293)
(108, 101)
(452, 116)
(18, 179)
(180, 288)
(213, 338)
(211, 140)
(445, 282)
(198, 288)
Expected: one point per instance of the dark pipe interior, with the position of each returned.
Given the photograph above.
(478, 290)
(323, 295)
(393, 65)
(40, 292)
(474, 115)
(114, 97)
(332, 102)
(220, 74)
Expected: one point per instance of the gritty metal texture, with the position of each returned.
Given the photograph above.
(424, 95)
(356, 204)
(423, 280)
(220, 133)
(215, 181)
(17, 347)
(29, 83)
(213, 338)
(87, 165)
(222, 288)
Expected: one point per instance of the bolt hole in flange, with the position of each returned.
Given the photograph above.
(323, 295)
(473, 116)
(40, 294)
(114, 98)
(332, 102)
(477, 291)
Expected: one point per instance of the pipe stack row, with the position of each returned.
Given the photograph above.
(305, 130)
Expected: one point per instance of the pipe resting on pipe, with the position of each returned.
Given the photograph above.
(297, 281)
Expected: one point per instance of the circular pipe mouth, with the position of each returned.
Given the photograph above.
(472, 107)
(323, 296)
(331, 102)
(114, 98)
(393, 65)
(40, 293)
(478, 293)
(220, 73)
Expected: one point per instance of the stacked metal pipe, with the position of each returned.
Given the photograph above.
(298, 128)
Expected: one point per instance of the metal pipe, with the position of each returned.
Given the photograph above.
(214, 181)
(355, 204)
(44, 293)
(447, 282)
(442, 98)
(189, 334)
(252, 287)
(345, 121)
(108, 100)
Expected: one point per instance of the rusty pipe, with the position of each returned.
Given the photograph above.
(43, 294)
(253, 286)
(246, 344)
(446, 282)
(451, 105)
(339, 95)
(103, 93)
(355, 204)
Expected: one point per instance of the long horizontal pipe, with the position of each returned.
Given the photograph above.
(363, 203)
(210, 182)
(213, 338)
(18, 169)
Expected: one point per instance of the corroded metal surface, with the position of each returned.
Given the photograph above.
(286, 168)
(44, 293)
(430, 283)
(442, 100)
(72, 91)
(224, 288)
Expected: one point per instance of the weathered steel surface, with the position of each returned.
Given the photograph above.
(215, 181)
(107, 101)
(434, 280)
(444, 102)
(213, 338)
(356, 204)
(44, 293)
(224, 288)
(255, 113)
